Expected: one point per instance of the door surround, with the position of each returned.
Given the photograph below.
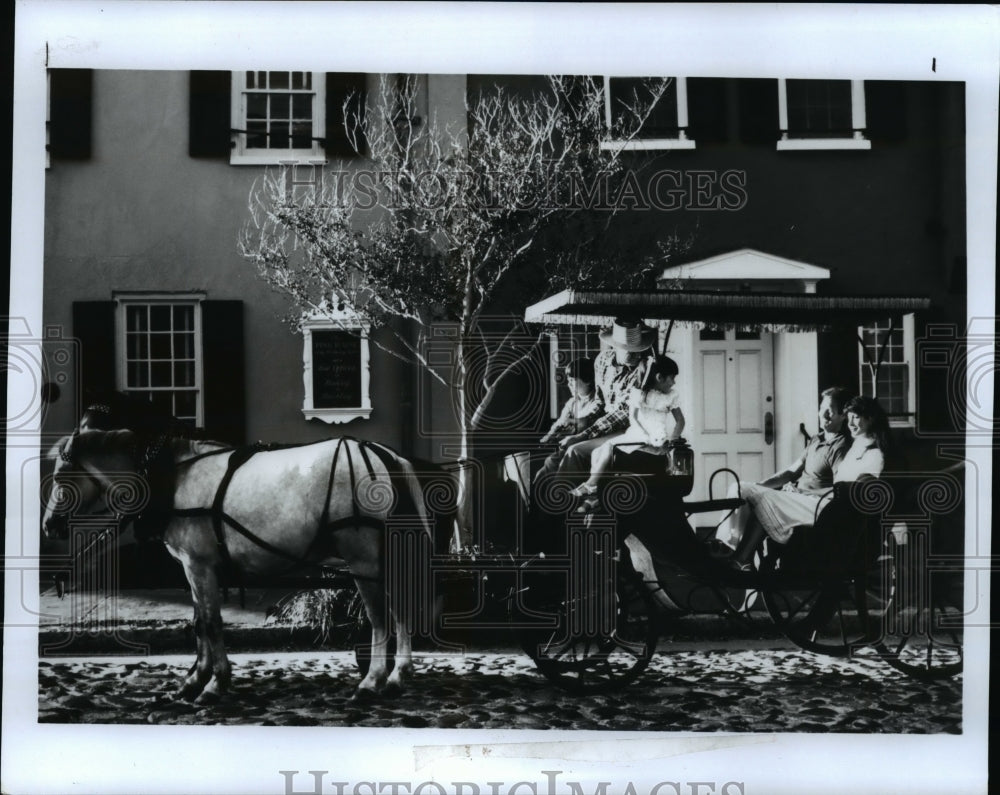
(796, 374)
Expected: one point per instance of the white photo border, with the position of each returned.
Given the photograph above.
(897, 42)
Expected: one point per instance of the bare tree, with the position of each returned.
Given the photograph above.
(442, 213)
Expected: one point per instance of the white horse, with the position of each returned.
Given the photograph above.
(259, 512)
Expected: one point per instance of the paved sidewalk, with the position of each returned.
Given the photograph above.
(160, 621)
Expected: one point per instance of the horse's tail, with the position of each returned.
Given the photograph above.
(406, 483)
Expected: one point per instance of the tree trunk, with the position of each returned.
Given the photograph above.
(462, 534)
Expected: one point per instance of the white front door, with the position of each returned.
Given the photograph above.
(733, 409)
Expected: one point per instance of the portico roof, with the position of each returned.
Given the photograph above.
(770, 311)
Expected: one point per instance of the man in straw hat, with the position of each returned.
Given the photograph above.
(617, 370)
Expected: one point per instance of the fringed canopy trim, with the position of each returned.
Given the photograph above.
(777, 312)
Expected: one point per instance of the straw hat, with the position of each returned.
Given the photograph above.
(630, 335)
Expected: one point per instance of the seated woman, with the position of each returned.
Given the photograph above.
(778, 513)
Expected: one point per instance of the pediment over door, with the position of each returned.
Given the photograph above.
(747, 269)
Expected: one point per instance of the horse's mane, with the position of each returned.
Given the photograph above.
(95, 442)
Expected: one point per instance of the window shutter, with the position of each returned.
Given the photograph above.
(224, 375)
(340, 86)
(707, 109)
(885, 111)
(94, 327)
(209, 121)
(758, 111)
(70, 113)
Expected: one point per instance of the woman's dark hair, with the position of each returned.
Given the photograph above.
(869, 409)
(581, 369)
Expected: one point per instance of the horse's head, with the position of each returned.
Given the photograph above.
(95, 472)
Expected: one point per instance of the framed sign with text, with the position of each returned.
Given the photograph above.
(336, 374)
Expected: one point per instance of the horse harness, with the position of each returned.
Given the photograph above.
(241, 455)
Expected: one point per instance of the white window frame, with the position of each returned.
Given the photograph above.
(335, 320)
(125, 300)
(645, 144)
(241, 155)
(909, 357)
(790, 142)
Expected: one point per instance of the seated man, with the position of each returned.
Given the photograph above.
(811, 473)
(617, 371)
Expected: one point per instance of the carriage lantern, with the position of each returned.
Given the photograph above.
(680, 465)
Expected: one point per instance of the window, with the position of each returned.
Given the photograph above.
(822, 114)
(159, 346)
(336, 373)
(665, 128)
(278, 117)
(885, 367)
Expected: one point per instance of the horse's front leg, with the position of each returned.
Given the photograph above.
(211, 673)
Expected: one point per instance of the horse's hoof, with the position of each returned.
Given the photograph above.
(207, 697)
(393, 688)
(364, 696)
(189, 692)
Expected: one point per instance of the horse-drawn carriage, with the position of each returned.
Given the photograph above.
(588, 595)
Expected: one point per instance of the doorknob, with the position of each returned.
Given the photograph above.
(768, 427)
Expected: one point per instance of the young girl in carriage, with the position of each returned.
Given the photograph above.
(655, 418)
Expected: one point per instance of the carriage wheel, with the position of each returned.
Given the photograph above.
(923, 634)
(837, 616)
(584, 653)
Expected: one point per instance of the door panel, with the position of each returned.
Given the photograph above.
(735, 378)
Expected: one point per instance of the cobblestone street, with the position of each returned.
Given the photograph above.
(694, 688)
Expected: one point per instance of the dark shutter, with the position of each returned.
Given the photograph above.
(885, 110)
(707, 109)
(758, 111)
(341, 87)
(94, 329)
(70, 113)
(209, 122)
(225, 387)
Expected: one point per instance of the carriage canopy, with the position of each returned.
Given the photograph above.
(761, 310)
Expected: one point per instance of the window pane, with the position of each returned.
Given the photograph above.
(819, 106)
(136, 318)
(160, 374)
(136, 346)
(183, 346)
(251, 80)
(710, 334)
(279, 135)
(302, 106)
(256, 106)
(137, 374)
(184, 374)
(163, 401)
(301, 135)
(185, 405)
(159, 317)
(184, 318)
(742, 334)
(159, 346)
(278, 80)
(279, 106)
(256, 135)
(633, 91)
